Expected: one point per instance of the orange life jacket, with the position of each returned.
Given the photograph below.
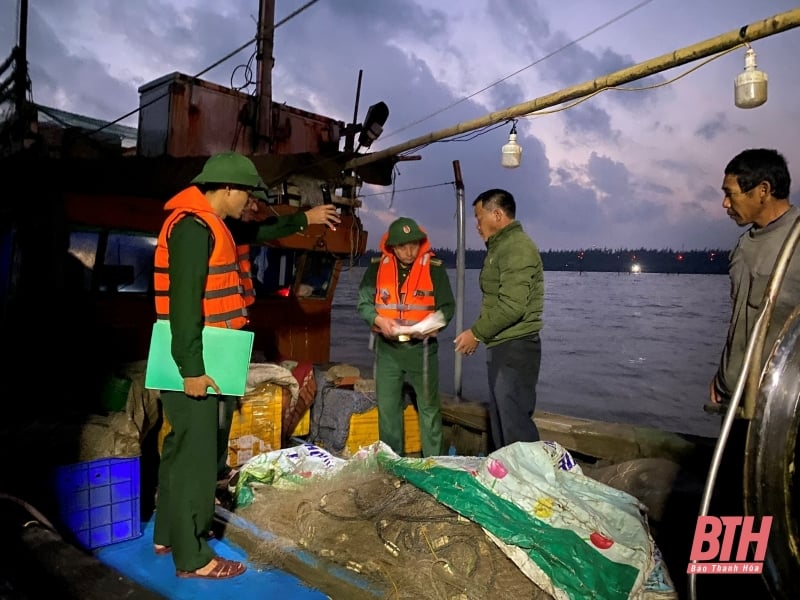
(246, 273)
(414, 300)
(223, 303)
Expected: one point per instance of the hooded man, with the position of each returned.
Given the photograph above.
(402, 287)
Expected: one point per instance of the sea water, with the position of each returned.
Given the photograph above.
(629, 348)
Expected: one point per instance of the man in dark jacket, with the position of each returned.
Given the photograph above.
(512, 283)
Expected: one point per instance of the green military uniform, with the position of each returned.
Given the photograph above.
(188, 460)
(189, 456)
(416, 360)
(196, 421)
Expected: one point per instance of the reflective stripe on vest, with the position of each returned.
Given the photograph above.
(246, 273)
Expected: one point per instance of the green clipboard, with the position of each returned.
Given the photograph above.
(226, 355)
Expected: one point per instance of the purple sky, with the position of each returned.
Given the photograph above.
(623, 169)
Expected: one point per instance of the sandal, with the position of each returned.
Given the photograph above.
(222, 569)
(162, 550)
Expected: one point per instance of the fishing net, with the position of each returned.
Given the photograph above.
(524, 520)
(388, 531)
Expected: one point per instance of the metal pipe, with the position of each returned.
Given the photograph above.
(348, 191)
(350, 136)
(756, 342)
(754, 31)
(460, 266)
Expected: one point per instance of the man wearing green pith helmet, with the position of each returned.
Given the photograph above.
(402, 287)
(197, 284)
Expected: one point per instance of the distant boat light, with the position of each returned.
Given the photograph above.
(635, 268)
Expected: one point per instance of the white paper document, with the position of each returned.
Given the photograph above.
(428, 325)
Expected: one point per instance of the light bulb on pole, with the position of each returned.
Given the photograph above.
(750, 87)
(511, 153)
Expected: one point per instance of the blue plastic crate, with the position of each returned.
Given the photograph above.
(99, 500)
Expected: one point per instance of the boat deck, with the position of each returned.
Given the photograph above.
(137, 561)
(301, 575)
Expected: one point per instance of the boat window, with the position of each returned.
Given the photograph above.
(80, 260)
(283, 272)
(315, 273)
(273, 270)
(126, 265)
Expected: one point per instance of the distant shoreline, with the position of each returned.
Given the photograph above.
(697, 262)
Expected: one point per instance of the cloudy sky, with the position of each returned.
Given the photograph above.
(621, 170)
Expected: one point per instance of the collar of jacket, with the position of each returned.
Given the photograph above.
(503, 232)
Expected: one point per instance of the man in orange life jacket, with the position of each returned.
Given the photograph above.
(197, 284)
(242, 230)
(401, 287)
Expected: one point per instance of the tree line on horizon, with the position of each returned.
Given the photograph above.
(701, 262)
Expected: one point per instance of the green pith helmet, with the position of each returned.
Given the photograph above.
(403, 231)
(261, 192)
(232, 168)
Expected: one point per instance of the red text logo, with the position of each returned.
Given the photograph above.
(714, 541)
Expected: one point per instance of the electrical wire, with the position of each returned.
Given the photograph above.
(204, 71)
(518, 71)
(488, 128)
(421, 187)
(292, 15)
(632, 89)
(484, 130)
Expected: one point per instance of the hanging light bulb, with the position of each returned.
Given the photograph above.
(750, 87)
(511, 153)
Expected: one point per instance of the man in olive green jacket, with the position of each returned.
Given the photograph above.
(512, 283)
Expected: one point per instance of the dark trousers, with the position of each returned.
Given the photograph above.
(419, 362)
(513, 369)
(187, 479)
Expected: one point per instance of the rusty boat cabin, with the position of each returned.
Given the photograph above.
(78, 234)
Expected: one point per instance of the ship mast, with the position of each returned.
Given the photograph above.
(21, 60)
(15, 88)
(262, 142)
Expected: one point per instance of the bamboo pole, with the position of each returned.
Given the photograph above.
(754, 31)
